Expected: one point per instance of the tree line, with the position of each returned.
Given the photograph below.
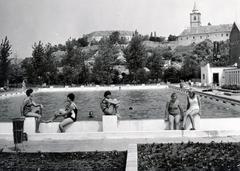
(77, 62)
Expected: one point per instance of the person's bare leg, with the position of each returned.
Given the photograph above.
(171, 122)
(177, 121)
(38, 119)
(64, 123)
(192, 122)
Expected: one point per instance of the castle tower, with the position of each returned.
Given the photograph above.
(195, 17)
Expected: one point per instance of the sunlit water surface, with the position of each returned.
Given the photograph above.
(146, 104)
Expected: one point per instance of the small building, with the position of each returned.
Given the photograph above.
(215, 75)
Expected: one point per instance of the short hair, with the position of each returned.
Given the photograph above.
(107, 93)
(29, 91)
(71, 96)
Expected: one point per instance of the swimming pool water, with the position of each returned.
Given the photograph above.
(145, 104)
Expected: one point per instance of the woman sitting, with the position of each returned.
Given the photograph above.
(69, 113)
(108, 105)
(172, 112)
(193, 109)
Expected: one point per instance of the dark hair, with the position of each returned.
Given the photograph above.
(29, 91)
(71, 96)
(107, 93)
(173, 94)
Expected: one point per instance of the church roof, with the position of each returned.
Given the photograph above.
(207, 29)
(237, 25)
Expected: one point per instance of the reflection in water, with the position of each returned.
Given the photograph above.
(135, 104)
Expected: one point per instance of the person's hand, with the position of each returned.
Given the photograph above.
(61, 111)
(41, 106)
(166, 119)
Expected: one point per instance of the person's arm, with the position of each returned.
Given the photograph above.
(199, 104)
(66, 111)
(37, 105)
(112, 101)
(22, 106)
(166, 112)
(188, 103)
(181, 111)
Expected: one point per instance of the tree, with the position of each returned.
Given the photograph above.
(28, 70)
(172, 38)
(104, 62)
(191, 68)
(115, 37)
(172, 75)
(135, 55)
(5, 51)
(155, 63)
(83, 42)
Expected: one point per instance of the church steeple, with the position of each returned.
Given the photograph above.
(195, 17)
(195, 7)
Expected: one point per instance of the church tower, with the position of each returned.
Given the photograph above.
(195, 17)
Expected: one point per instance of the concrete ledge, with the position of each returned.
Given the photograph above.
(109, 123)
(132, 158)
(126, 135)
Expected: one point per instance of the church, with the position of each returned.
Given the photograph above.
(197, 33)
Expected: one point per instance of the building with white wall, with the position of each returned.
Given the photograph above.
(215, 75)
(197, 33)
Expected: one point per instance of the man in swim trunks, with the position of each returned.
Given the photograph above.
(109, 106)
(172, 112)
(30, 109)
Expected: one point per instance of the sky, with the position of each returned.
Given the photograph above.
(27, 21)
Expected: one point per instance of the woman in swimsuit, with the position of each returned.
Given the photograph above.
(193, 109)
(30, 109)
(172, 112)
(69, 113)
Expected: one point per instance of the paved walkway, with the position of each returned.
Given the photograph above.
(101, 145)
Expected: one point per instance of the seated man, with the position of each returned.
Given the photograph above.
(109, 106)
(28, 110)
(69, 113)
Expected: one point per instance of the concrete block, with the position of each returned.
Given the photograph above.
(109, 123)
(29, 125)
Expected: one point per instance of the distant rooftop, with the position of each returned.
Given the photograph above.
(207, 29)
(108, 33)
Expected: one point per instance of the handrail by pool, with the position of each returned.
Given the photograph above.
(211, 96)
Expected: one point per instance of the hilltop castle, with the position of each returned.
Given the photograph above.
(197, 33)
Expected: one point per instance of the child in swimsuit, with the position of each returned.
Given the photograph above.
(172, 112)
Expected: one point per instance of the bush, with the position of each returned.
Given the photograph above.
(76, 161)
(189, 156)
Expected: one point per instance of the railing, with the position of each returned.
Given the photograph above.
(210, 96)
